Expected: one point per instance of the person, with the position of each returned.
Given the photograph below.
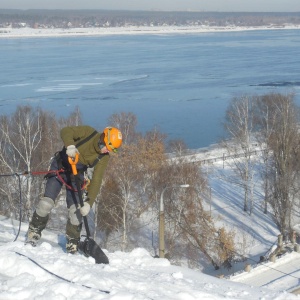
(93, 149)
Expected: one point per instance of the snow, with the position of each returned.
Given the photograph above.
(47, 272)
(60, 32)
(267, 274)
(133, 275)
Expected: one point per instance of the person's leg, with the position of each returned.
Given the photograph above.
(41, 214)
(72, 235)
(74, 223)
(39, 219)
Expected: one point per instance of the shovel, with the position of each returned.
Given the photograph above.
(88, 247)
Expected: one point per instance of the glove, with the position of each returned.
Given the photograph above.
(84, 210)
(71, 151)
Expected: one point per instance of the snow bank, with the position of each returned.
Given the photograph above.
(131, 276)
(59, 32)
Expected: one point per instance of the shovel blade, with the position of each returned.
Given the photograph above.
(89, 248)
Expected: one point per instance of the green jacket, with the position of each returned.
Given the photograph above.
(88, 153)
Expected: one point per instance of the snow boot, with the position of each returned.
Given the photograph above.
(36, 226)
(72, 236)
(72, 245)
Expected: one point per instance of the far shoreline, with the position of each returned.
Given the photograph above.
(27, 32)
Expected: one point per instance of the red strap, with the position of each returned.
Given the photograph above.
(57, 173)
(47, 172)
(69, 186)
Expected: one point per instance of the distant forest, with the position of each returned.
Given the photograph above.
(105, 18)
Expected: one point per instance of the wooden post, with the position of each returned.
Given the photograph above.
(161, 234)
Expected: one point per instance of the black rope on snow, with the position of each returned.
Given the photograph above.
(20, 193)
(59, 277)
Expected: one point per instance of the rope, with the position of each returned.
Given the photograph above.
(56, 172)
(59, 277)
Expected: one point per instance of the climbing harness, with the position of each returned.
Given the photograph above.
(56, 173)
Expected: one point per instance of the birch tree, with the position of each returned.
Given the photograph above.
(129, 178)
(177, 146)
(265, 121)
(284, 143)
(21, 136)
(28, 140)
(126, 122)
(240, 129)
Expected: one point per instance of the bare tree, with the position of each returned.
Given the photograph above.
(178, 146)
(123, 169)
(8, 166)
(284, 143)
(22, 136)
(124, 194)
(75, 119)
(135, 179)
(188, 224)
(108, 209)
(28, 140)
(127, 123)
(265, 121)
(240, 128)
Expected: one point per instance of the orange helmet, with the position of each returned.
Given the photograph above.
(112, 138)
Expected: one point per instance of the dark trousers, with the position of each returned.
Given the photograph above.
(54, 184)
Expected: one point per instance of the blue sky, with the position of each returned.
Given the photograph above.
(169, 5)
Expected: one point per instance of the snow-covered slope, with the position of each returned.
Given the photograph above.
(134, 275)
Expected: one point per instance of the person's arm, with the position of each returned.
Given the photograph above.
(96, 181)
